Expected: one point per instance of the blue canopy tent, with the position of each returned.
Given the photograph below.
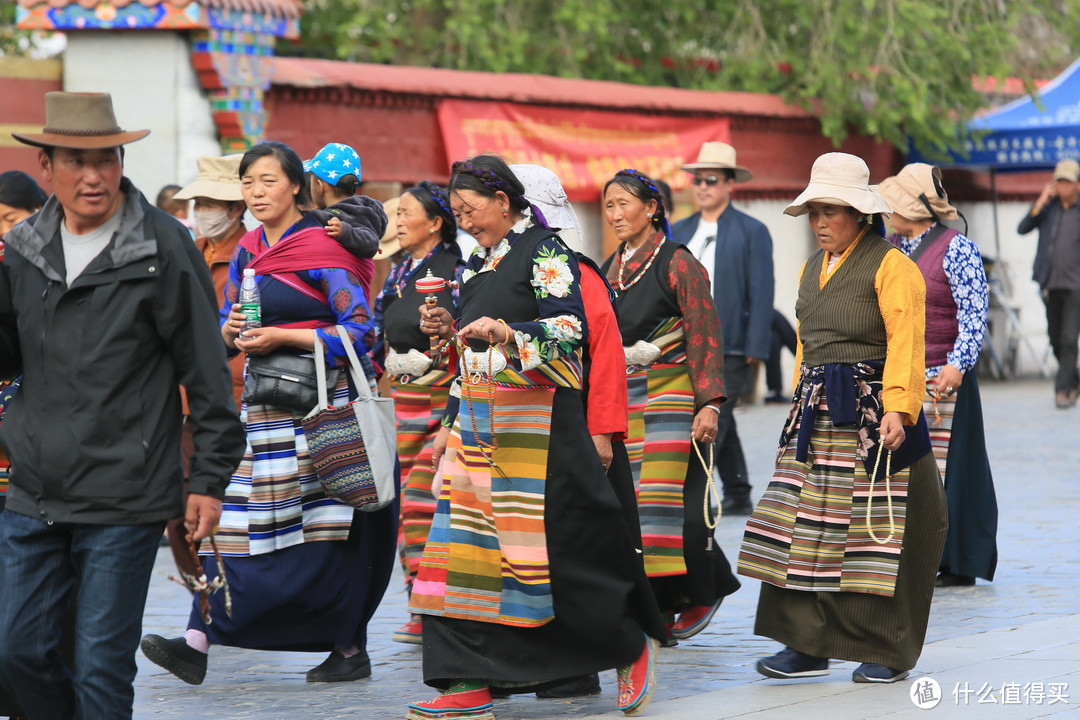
(1022, 136)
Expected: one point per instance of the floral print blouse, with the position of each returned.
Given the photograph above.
(967, 278)
(560, 328)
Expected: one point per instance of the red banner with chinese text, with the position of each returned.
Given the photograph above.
(583, 147)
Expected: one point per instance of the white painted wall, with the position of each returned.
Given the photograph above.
(154, 86)
(793, 243)
(1012, 274)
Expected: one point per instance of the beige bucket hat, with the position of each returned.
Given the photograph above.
(718, 156)
(81, 121)
(218, 179)
(389, 245)
(840, 179)
(916, 193)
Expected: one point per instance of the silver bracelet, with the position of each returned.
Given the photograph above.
(712, 407)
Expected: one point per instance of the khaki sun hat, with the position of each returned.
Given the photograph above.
(840, 179)
(916, 193)
(218, 179)
(1067, 169)
(81, 121)
(390, 245)
(718, 156)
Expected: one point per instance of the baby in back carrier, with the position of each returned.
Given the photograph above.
(355, 221)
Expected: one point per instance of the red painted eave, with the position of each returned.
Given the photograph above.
(523, 88)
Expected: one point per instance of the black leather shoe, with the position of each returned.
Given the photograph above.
(733, 506)
(176, 656)
(777, 399)
(946, 579)
(338, 668)
(574, 687)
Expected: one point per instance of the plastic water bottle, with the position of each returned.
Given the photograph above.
(250, 303)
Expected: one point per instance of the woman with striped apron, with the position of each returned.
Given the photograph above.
(528, 570)
(957, 301)
(675, 378)
(847, 537)
(419, 370)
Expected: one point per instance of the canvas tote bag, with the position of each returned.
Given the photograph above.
(353, 446)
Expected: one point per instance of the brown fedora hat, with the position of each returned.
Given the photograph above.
(82, 121)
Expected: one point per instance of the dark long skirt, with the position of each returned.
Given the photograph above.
(708, 575)
(592, 562)
(307, 597)
(859, 626)
(643, 606)
(971, 545)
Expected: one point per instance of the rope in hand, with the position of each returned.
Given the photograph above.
(711, 492)
(198, 582)
(888, 496)
(486, 449)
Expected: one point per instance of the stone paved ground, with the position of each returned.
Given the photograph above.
(1023, 628)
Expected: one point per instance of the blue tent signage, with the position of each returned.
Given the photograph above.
(1023, 136)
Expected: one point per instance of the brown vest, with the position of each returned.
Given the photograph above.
(841, 322)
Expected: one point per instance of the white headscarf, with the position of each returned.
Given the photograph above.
(543, 189)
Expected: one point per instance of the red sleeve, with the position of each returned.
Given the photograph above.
(704, 343)
(608, 407)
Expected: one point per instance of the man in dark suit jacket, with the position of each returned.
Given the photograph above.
(736, 250)
(1057, 270)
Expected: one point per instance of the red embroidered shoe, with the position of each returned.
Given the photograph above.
(693, 620)
(469, 705)
(638, 681)
(410, 632)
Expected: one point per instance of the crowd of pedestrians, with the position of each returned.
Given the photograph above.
(564, 428)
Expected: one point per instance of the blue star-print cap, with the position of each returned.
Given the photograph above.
(333, 162)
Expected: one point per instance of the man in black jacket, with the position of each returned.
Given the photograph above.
(105, 308)
(1057, 270)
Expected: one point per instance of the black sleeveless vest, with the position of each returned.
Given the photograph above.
(401, 315)
(505, 292)
(841, 322)
(650, 301)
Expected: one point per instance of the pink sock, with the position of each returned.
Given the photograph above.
(347, 653)
(196, 639)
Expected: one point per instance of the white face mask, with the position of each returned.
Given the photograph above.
(213, 223)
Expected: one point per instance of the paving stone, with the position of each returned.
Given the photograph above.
(1023, 627)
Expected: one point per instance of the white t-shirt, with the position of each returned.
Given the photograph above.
(79, 250)
(703, 247)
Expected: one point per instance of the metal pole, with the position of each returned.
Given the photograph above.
(997, 231)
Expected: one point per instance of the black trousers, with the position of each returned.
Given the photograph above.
(729, 458)
(1063, 325)
(783, 336)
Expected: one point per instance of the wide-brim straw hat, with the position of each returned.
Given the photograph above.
(543, 189)
(390, 245)
(719, 156)
(80, 121)
(840, 179)
(916, 193)
(218, 179)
